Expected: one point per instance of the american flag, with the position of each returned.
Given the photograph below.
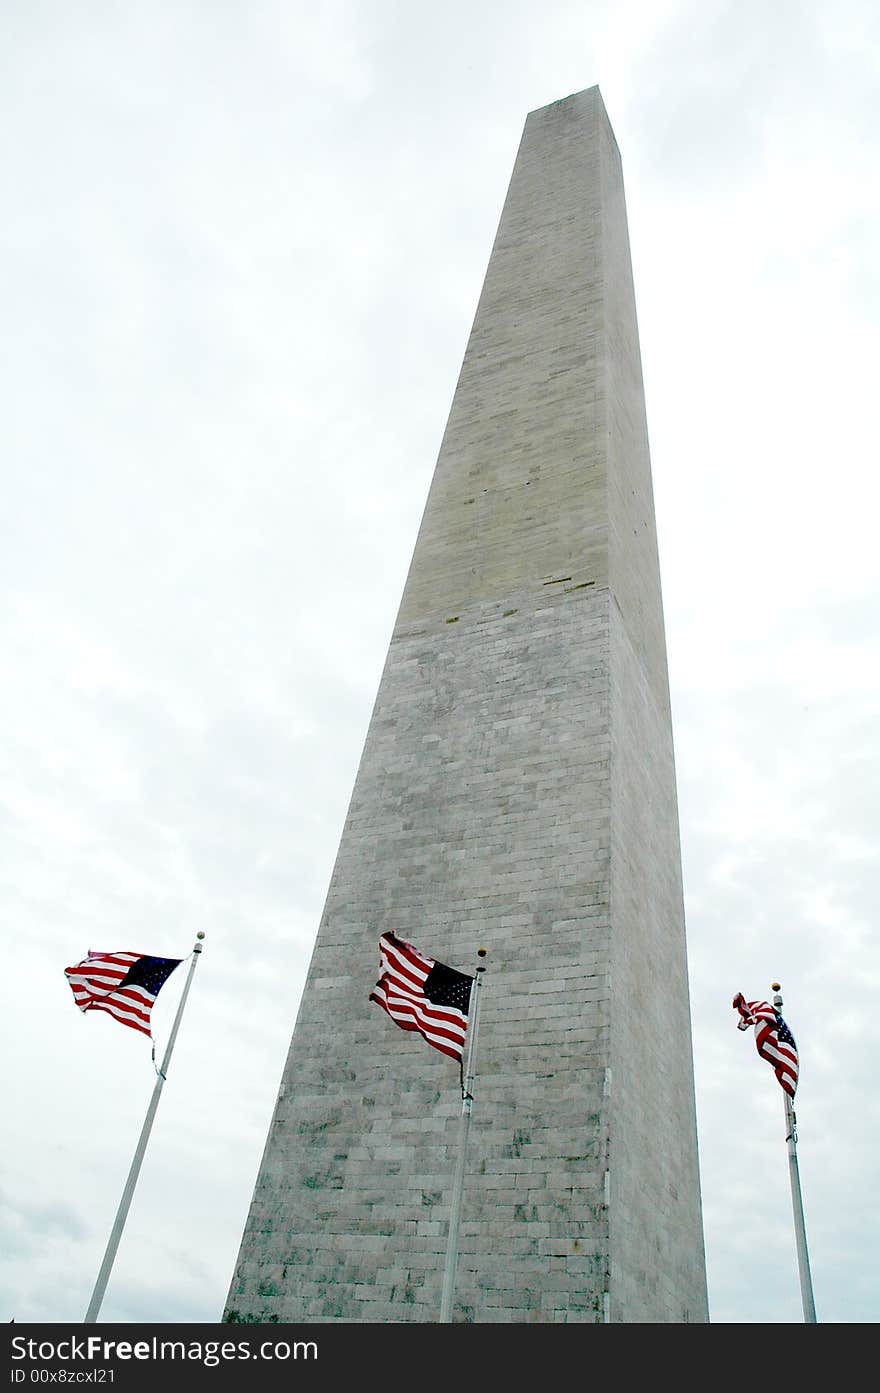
(421, 994)
(125, 984)
(773, 1039)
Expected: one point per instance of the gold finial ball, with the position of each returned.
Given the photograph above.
(775, 986)
(200, 934)
(481, 952)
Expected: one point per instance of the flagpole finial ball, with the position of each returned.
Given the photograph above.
(481, 952)
(775, 986)
(200, 934)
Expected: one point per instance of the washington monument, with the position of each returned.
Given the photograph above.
(516, 792)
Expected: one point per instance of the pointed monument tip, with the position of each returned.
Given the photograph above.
(580, 95)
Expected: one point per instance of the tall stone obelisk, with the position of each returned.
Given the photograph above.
(517, 791)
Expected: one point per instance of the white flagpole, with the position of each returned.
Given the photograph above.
(464, 1127)
(122, 1213)
(808, 1303)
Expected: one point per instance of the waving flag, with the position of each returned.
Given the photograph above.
(424, 995)
(124, 984)
(773, 1039)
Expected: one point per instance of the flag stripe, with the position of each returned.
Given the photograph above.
(408, 966)
(124, 1017)
(402, 1009)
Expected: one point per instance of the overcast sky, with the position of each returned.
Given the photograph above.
(242, 247)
